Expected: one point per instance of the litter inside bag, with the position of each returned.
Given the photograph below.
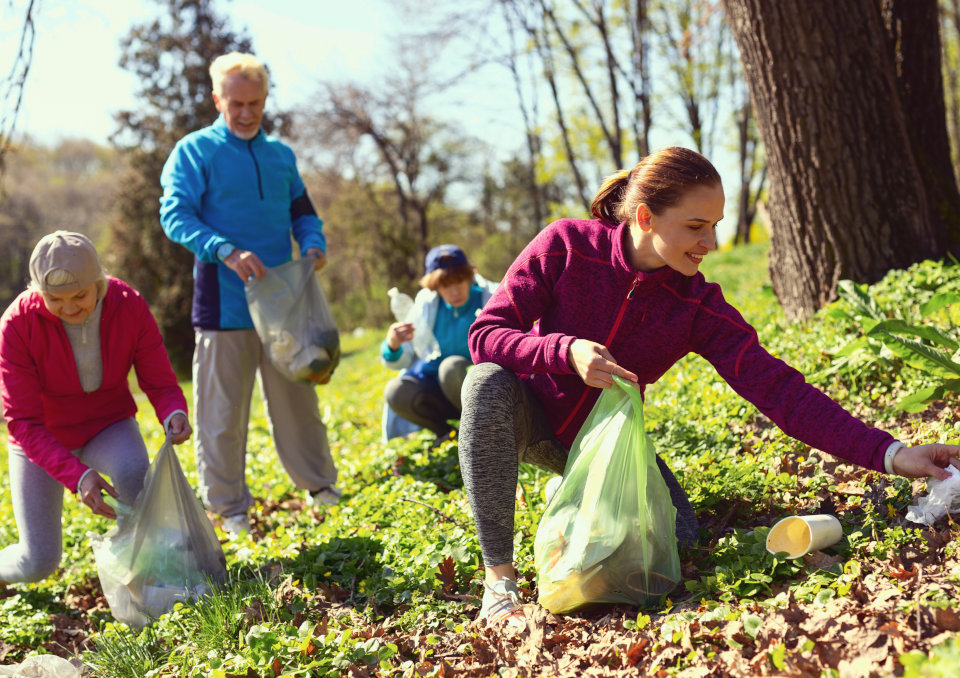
(294, 322)
(608, 535)
(162, 551)
(943, 496)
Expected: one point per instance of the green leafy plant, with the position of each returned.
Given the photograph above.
(926, 348)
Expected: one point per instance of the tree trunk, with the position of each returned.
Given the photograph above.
(913, 43)
(847, 199)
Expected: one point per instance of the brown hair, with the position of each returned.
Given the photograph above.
(660, 180)
(447, 276)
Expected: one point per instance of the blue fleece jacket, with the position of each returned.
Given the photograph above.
(219, 188)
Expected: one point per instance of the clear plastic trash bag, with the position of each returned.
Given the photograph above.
(405, 309)
(608, 534)
(294, 322)
(943, 496)
(161, 551)
(42, 666)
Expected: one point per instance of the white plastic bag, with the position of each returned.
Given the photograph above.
(425, 344)
(163, 551)
(294, 322)
(943, 496)
(42, 666)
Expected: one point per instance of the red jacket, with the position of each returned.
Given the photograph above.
(47, 412)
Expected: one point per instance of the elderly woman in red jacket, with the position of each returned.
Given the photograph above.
(66, 348)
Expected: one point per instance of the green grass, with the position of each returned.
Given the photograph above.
(369, 583)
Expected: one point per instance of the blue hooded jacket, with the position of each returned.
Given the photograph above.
(219, 188)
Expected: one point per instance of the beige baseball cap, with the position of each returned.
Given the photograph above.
(69, 251)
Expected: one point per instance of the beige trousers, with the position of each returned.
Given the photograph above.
(225, 364)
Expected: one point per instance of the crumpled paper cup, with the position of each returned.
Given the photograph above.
(799, 535)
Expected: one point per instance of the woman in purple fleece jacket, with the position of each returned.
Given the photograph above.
(622, 295)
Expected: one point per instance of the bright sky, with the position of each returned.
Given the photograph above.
(75, 83)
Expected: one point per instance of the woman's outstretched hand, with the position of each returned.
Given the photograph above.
(91, 492)
(178, 428)
(593, 363)
(923, 461)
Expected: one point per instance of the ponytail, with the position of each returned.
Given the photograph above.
(660, 181)
(606, 203)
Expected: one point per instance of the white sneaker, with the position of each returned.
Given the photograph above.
(551, 487)
(501, 604)
(236, 525)
(328, 496)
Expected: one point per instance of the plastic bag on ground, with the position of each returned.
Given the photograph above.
(42, 666)
(943, 496)
(294, 322)
(608, 535)
(163, 551)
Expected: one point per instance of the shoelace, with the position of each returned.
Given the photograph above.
(505, 604)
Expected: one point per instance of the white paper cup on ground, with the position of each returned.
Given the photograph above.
(799, 535)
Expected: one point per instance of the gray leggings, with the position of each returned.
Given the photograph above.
(427, 403)
(117, 451)
(503, 424)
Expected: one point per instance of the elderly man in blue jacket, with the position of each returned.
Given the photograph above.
(233, 196)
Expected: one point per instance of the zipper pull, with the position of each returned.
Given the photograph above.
(633, 289)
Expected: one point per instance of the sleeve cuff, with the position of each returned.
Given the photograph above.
(80, 482)
(891, 452)
(166, 422)
(389, 354)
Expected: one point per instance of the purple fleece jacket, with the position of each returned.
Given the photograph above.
(575, 279)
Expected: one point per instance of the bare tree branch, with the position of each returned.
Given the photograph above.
(12, 85)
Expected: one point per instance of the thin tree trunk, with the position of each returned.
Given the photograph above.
(641, 78)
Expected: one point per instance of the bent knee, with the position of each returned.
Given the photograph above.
(39, 568)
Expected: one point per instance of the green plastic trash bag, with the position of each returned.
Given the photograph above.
(162, 550)
(294, 322)
(608, 534)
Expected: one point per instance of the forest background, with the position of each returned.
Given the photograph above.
(482, 124)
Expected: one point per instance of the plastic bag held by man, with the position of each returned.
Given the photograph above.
(294, 322)
(162, 551)
(608, 535)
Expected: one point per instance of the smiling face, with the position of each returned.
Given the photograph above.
(72, 307)
(455, 294)
(241, 102)
(680, 236)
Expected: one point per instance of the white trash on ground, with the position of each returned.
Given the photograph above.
(42, 666)
(943, 496)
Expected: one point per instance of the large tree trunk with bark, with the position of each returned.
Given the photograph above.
(848, 195)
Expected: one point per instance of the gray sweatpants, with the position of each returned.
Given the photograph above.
(117, 451)
(502, 424)
(426, 403)
(225, 365)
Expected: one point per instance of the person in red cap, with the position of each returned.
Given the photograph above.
(427, 393)
(67, 344)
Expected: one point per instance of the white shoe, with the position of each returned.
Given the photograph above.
(501, 605)
(328, 496)
(551, 487)
(236, 525)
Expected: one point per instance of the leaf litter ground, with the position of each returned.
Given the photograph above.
(888, 591)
